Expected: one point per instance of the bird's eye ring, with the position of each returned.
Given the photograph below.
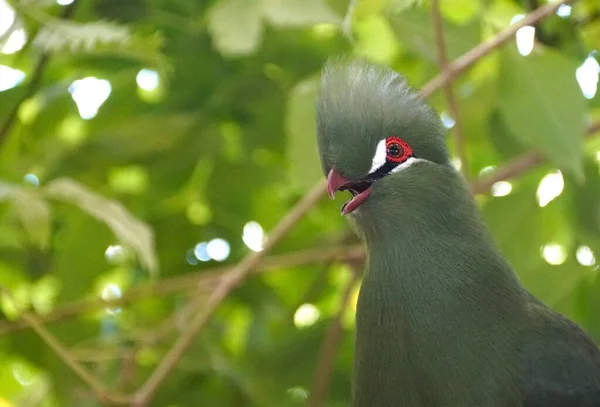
(397, 150)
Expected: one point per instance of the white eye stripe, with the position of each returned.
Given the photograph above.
(406, 164)
(379, 157)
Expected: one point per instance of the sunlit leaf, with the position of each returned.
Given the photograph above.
(298, 12)
(370, 7)
(35, 216)
(542, 104)
(44, 294)
(375, 39)
(128, 229)
(305, 168)
(235, 26)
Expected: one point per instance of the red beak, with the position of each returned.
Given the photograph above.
(334, 181)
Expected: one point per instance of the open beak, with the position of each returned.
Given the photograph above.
(335, 181)
(360, 189)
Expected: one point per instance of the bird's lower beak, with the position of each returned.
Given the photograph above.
(335, 181)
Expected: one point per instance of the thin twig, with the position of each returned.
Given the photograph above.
(520, 165)
(36, 78)
(227, 284)
(66, 356)
(205, 279)
(127, 371)
(438, 29)
(469, 58)
(171, 323)
(329, 347)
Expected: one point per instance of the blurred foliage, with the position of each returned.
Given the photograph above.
(207, 124)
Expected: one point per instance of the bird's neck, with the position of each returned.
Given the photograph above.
(436, 295)
(431, 239)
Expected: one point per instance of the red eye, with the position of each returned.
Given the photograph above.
(397, 150)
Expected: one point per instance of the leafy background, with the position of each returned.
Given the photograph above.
(152, 152)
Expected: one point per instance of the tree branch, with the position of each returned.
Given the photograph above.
(438, 29)
(329, 347)
(229, 282)
(519, 165)
(460, 64)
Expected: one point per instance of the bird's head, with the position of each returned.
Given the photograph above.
(374, 134)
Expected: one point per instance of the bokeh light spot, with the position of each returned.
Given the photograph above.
(585, 256)
(218, 249)
(89, 94)
(253, 236)
(554, 254)
(9, 77)
(200, 251)
(501, 188)
(550, 187)
(306, 315)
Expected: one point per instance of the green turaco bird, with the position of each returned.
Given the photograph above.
(442, 319)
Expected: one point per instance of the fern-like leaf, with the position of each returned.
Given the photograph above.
(100, 37)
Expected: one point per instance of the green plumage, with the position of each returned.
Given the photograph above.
(442, 320)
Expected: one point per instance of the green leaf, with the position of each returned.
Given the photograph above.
(375, 39)
(501, 137)
(33, 212)
(500, 13)
(584, 212)
(516, 215)
(129, 230)
(366, 8)
(302, 153)
(141, 136)
(541, 102)
(298, 13)
(553, 283)
(460, 11)
(591, 34)
(413, 29)
(235, 26)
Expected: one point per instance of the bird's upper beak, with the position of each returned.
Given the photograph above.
(335, 181)
(360, 189)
